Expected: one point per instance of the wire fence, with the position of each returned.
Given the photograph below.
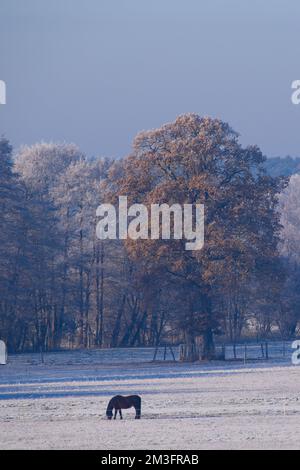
(264, 350)
(255, 351)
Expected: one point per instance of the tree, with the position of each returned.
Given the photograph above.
(285, 166)
(40, 168)
(14, 257)
(76, 197)
(193, 160)
(288, 314)
(8, 237)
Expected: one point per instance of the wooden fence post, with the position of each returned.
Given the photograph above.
(155, 353)
(223, 352)
(267, 351)
(245, 353)
(171, 349)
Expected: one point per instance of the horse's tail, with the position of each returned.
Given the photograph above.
(138, 407)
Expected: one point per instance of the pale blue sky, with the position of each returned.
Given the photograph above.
(95, 72)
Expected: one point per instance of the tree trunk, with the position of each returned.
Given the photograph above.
(208, 351)
(99, 294)
(189, 351)
(117, 326)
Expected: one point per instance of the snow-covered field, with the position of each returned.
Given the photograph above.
(61, 404)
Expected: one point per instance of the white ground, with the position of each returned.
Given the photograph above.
(215, 406)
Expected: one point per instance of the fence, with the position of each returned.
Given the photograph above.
(254, 351)
(244, 352)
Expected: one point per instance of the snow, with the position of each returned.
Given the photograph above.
(61, 404)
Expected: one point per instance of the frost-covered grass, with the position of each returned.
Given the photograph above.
(276, 350)
(60, 405)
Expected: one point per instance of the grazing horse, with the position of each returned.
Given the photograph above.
(120, 403)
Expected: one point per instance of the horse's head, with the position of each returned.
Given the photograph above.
(109, 409)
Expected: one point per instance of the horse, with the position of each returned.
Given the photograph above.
(121, 403)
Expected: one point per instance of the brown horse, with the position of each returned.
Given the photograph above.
(120, 403)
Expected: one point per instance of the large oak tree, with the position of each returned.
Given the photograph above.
(200, 160)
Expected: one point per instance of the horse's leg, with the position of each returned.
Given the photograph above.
(120, 412)
(116, 411)
(138, 410)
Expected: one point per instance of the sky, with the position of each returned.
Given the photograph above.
(96, 72)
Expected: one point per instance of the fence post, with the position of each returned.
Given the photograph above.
(267, 351)
(262, 350)
(155, 353)
(171, 349)
(245, 353)
(42, 355)
(182, 352)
